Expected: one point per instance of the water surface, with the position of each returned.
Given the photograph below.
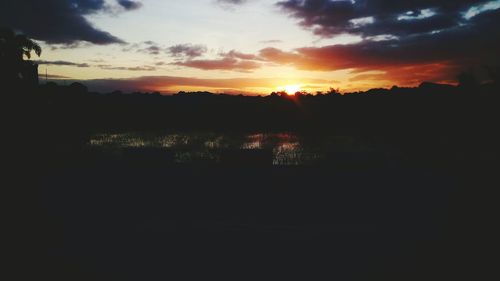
(283, 148)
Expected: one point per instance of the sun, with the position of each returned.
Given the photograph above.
(292, 89)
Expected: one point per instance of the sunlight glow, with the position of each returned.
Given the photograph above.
(292, 89)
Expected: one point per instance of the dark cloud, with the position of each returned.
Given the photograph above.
(86, 6)
(436, 57)
(63, 63)
(73, 45)
(187, 50)
(405, 41)
(58, 21)
(54, 76)
(129, 5)
(375, 17)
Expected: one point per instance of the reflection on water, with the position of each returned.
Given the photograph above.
(253, 141)
(285, 149)
(293, 153)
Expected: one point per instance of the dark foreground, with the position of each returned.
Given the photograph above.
(428, 213)
(309, 223)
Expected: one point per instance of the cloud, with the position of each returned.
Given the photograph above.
(272, 41)
(238, 55)
(129, 5)
(221, 64)
(101, 66)
(280, 57)
(236, 2)
(468, 45)
(63, 63)
(376, 17)
(152, 50)
(129, 68)
(73, 45)
(232, 2)
(60, 22)
(412, 75)
(232, 60)
(432, 57)
(402, 40)
(230, 5)
(53, 76)
(146, 47)
(187, 50)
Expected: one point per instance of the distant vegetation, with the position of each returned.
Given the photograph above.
(278, 111)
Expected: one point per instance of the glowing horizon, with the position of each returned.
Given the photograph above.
(257, 47)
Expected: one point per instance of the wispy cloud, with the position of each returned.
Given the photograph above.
(221, 64)
(63, 63)
(187, 50)
(272, 41)
(128, 68)
(231, 61)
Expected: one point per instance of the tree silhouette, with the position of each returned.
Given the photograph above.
(494, 73)
(13, 48)
(468, 80)
(333, 92)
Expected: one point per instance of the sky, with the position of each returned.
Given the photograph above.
(257, 46)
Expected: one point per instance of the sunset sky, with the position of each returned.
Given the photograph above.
(257, 46)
